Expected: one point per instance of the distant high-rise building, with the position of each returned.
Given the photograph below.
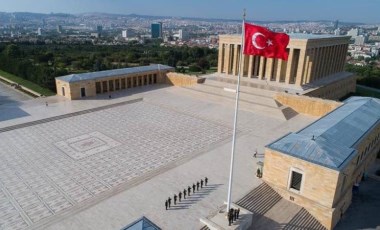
(39, 31)
(183, 35)
(99, 29)
(157, 30)
(353, 33)
(337, 31)
(336, 24)
(59, 29)
(360, 40)
(128, 33)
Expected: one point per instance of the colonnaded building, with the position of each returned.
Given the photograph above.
(315, 66)
(76, 86)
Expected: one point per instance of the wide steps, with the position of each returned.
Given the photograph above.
(304, 220)
(260, 200)
(263, 105)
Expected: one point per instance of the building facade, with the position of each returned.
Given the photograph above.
(319, 166)
(76, 86)
(156, 29)
(311, 57)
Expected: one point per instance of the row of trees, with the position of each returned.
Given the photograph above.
(41, 63)
(369, 75)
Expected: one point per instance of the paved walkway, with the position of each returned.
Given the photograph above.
(109, 167)
(11, 95)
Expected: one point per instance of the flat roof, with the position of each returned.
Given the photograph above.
(302, 36)
(330, 141)
(110, 73)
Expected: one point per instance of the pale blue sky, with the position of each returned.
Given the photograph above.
(345, 10)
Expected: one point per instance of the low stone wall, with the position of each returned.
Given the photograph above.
(23, 88)
(307, 105)
(335, 90)
(178, 79)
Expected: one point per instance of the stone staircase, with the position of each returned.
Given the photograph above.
(303, 220)
(267, 206)
(260, 200)
(251, 99)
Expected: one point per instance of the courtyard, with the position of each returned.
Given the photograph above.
(101, 163)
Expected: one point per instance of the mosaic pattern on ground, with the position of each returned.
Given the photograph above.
(86, 145)
(56, 166)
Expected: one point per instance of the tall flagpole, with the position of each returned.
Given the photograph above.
(235, 119)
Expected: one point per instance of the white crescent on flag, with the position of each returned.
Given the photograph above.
(254, 43)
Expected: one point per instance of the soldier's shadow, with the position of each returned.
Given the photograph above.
(199, 195)
(179, 207)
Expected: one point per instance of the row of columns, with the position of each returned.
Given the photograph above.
(109, 85)
(303, 66)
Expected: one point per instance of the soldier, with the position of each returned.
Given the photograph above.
(235, 214)
(197, 185)
(175, 199)
(206, 181)
(201, 183)
(238, 211)
(188, 190)
(179, 196)
(169, 201)
(193, 188)
(184, 194)
(166, 204)
(230, 217)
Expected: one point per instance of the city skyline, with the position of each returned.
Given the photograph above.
(270, 10)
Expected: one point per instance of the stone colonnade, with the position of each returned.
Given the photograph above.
(309, 60)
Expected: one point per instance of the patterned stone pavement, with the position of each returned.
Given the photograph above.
(56, 167)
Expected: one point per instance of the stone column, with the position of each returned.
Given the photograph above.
(332, 59)
(309, 66)
(261, 71)
(339, 51)
(319, 62)
(289, 66)
(326, 68)
(279, 69)
(269, 68)
(314, 64)
(220, 57)
(227, 56)
(339, 56)
(301, 67)
(235, 65)
(250, 66)
(345, 48)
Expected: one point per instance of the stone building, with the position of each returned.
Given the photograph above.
(315, 63)
(319, 166)
(76, 86)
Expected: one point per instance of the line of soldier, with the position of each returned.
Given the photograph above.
(233, 215)
(185, 192)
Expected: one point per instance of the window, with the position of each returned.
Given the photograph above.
(295, 180)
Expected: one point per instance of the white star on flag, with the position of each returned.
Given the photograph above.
(269, 42)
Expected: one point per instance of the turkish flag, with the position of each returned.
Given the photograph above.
(263, 42)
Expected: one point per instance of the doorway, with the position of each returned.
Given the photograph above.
(82, 92)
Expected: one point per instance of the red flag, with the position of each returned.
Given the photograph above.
(263, 42)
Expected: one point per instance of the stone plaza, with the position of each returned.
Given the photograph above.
(101, 163)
